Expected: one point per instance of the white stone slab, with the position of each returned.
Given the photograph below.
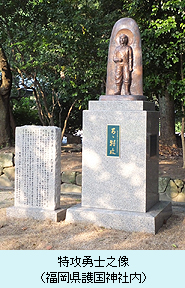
(129, 182)
(37, 169)
(149, 222)
(36, 213)
(121, 105)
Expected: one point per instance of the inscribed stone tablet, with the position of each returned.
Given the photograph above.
(37, 167)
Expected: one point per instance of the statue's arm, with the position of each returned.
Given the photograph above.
(130, 59)
(115, 57)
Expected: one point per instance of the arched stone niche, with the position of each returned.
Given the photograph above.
(129, 27)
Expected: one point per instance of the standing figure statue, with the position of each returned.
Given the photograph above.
(123, 57)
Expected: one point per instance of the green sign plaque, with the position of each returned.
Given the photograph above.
(113, 138)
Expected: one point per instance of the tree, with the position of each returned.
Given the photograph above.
(59, 50)
(5, 88)
(162, 31)
(168, 28)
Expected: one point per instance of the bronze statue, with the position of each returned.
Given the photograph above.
(124, 60)
(123, 57)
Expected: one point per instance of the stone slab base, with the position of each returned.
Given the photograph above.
(149, 222)
(36, 213)
(122, 97)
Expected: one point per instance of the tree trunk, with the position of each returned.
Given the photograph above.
(182, 137)
(67, 117)
(12, 121)
(167, 120)
(5, 88)
(183, 124)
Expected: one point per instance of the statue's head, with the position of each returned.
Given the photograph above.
(123, 39)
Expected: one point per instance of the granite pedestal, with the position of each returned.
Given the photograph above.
(37, 173)
(120, 190)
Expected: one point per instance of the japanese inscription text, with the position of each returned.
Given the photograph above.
(113, 139)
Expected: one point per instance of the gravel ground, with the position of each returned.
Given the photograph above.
(28, 234)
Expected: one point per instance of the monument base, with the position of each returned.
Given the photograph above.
(149, 222)
(36, 213)
(122, 98)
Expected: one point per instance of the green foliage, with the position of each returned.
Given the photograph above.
(25, 112)
(163, 41)
(47, 39)
(178, 126)
(62, 45)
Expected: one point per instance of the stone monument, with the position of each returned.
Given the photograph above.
(120, 146)
(37, 173)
